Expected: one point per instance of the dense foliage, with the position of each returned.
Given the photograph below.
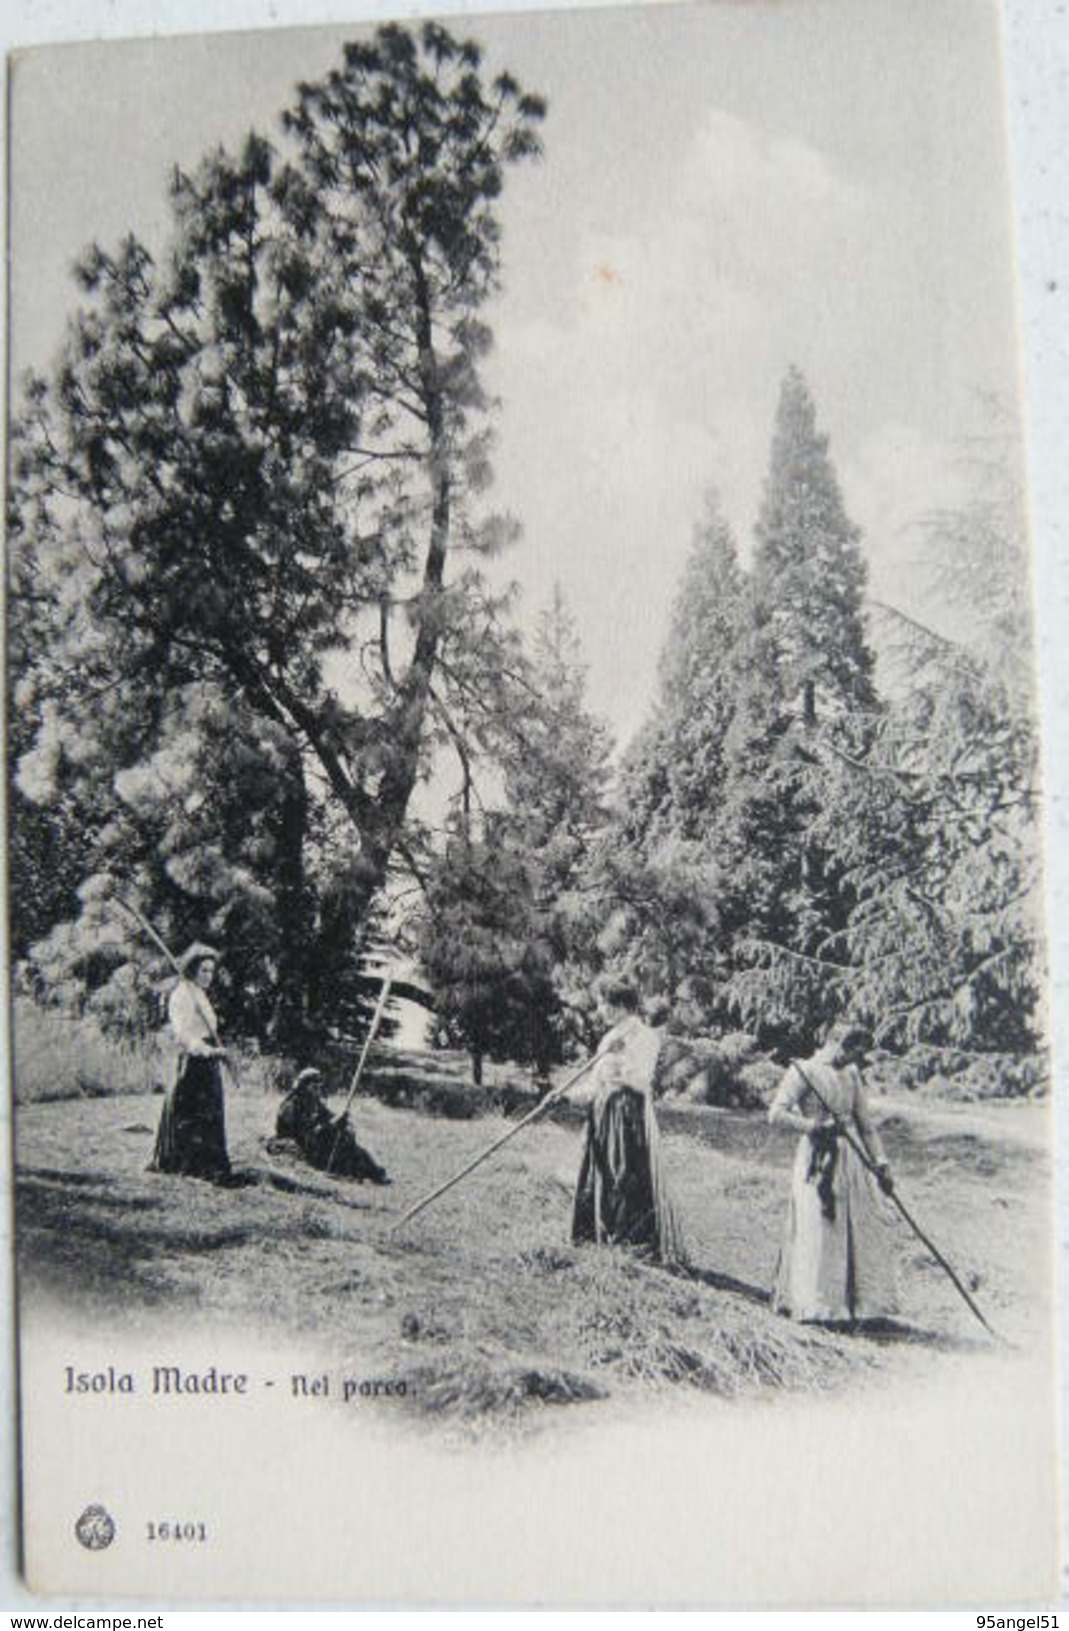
(794, 844)
(233, 512)
(510, 937)
(249, 616)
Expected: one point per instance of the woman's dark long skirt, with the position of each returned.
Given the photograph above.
(614, 1199)
(191, 1139)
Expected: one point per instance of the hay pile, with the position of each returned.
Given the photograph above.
(552, 1327)
(483, 1308)
(660, 1328)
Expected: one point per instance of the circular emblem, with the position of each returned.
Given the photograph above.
(95, 1528)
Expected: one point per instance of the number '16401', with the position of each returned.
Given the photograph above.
(193, 1531)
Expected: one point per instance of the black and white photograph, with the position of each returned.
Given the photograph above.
(528, 977)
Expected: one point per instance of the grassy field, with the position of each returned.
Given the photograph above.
(481, 1304)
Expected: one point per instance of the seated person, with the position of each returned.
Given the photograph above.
(324, 1141)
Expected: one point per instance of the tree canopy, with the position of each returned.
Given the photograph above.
(511, 930)
(793, 843)
(248, 531)
(809, 571)
(249, 493)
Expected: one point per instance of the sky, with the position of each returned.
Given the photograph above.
(726, 189)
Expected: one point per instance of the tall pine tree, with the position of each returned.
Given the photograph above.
(659, 856)
(252, 472)
(810, 676)
(556, 786)
(809, 572)
(698, 676)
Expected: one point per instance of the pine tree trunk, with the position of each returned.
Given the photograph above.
(542, 1063)
(809, 720)
(289, 1022)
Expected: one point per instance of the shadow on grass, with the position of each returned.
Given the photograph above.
(70, 1249)
(90, 1192)
(336, 1190)
(887, 1333)
(96, 1245)
(56, 1175)
(727, 1282)
(46, 1206)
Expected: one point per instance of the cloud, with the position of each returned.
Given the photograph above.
(656, 377)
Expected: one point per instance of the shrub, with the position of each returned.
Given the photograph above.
(990, 1076)
(59, 1055)
(728, 1071)
(758, 1081)
(952, 1073)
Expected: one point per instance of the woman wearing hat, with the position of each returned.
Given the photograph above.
(835, 1266)
(325, 1141)
(192, 1133)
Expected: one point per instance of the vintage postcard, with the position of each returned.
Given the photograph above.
(528, 980)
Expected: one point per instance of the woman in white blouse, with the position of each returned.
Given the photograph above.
(620, 1195)
(836, 1264)
(192, 1133)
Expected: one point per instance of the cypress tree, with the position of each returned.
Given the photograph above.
(698, 675)
(808, 568)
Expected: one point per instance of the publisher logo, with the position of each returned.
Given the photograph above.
(95, 1528)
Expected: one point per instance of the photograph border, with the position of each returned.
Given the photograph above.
(1037, 57)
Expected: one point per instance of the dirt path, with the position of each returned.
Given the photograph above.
(481, 1303)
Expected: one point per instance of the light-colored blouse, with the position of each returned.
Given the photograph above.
(842, 1091)
(627, 1057)
(192, 1019)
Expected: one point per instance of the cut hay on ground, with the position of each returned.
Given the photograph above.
(481, 1306)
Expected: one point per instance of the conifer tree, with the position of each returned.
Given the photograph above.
(511, 935)
(659, 857)
(808, 673)
(482, 948)
(942, 851)
(252, 469)
(556, 787)
(698, 674)
(556, 765)
(925, 819)
(809, 572)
